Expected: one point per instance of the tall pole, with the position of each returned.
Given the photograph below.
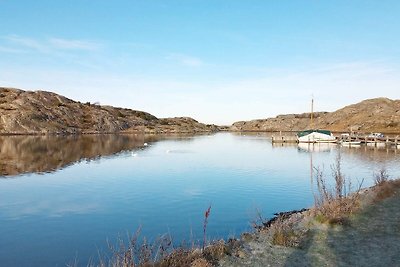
(312, 111)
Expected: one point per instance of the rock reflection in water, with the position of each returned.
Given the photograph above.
(28, 154)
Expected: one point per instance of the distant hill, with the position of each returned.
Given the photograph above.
(372, 115)
(41, 112)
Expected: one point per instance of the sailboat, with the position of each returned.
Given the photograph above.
(315, 135)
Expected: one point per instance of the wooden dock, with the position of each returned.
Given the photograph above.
(364, 139)
(284, 139)
(374, 141)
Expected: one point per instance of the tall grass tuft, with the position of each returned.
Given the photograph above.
(284, 233)
(206, 215)
(161, 252)
(138, 253)
(381, 177)
(384, 186)
(333, 204)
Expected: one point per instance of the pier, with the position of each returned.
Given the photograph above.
(284, 139)
(363, 138)
(376, 141)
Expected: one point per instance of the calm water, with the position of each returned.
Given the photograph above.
(61, 198)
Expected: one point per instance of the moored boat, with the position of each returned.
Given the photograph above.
(351, 143)
(316, 136)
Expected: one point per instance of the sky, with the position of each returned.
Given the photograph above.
(216, 61)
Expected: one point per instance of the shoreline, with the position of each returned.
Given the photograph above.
(169, 132)
(334, 243)
(270, 245)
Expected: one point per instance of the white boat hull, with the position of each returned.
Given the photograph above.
(316, 137)
(352, 143)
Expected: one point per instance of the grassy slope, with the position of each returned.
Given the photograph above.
(371, 237)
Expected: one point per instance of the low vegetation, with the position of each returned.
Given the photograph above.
(381, 177)
(284, 233)
(334, 203)
(134, 251)
(162, 253)
(385, 189)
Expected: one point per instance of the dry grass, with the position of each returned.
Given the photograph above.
(161, 252)
(193, 257)
(282, 228)
(333, 205)
(386, 189)
(200, 263)
(181, 257)
(134, 253)
(381, 176)
(206, 215)
(283, 233)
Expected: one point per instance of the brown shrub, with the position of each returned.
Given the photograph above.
(215, 251)
(284, 234)
(180, 257)
(381, 176)
(161, 253)
(334, 205)
(386, 189)
(200, 263)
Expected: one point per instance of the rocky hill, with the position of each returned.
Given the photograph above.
(290, 122)
(40, 112)
(372, 115)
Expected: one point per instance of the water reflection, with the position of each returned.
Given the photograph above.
(38, 154)
(365, 153)
(165, 188)
(373, 154)
(319, 147)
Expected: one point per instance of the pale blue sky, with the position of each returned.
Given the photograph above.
(216, 61)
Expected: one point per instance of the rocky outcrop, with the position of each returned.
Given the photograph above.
(175, 125)
(372, 115)
(40, 112)
(290, 122)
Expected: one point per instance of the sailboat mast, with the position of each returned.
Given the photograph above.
(312, 112)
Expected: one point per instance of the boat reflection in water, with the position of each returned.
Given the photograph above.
(316, 147)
